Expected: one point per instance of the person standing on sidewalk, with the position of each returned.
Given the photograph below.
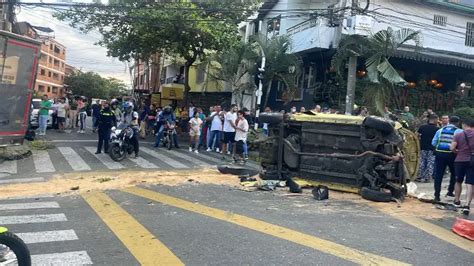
(229, 131)
(194, 132)
(215, 130)
(95, 115)
(426, 134)
(241, 131)
(444, 157)
(43, 115)
(81, 107)
(61, 111)
(463, 146)
(72, 113)
(104, 123)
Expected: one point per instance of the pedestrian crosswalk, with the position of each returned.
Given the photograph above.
(35, 218)
(63, 159)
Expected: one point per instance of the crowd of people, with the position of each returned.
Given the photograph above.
(448, 143)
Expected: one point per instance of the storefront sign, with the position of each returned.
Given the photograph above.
(9, 69)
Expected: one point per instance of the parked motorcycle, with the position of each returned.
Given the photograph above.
(169, 133)
(13, 251)
(120, 143)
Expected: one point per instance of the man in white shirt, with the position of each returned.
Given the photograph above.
(229, 130)
(61, 107)
(241, 131)
(215, 129)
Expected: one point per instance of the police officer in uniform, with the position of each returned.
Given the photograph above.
(105, 121)
(444, 157)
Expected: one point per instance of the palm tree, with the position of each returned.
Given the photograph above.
(235, 66)
(280, 64)
(377, 49)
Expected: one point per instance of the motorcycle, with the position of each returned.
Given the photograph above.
(120, 143)
(169, 133)
(13, 251)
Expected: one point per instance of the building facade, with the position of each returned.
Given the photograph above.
(51, 69)
(445, 56)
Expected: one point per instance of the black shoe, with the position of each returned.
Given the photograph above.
(177, 147)
(457, 204)
(437, 199)
(106, 152)
(449, 194)
(98, 152)
(465, 210)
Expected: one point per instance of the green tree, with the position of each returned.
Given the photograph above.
(280, 64)
(191, 30)
(236, 66)
(377, 49)
(92, 85)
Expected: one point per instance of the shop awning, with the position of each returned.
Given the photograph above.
(436, 56)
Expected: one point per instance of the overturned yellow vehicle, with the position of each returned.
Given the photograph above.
(369, 155)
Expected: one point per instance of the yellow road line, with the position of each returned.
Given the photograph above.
(346, 253)
(139, 241)
(436, 231)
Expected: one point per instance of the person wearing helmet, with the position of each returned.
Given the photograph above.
(117, 112)
(166, 116)
(130, 118)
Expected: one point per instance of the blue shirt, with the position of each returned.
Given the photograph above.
(434, 142)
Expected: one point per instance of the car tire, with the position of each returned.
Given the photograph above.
(378, 123)
(237, 170)
(375, 195)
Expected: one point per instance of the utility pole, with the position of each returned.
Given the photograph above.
(259, 91)
(351, 71)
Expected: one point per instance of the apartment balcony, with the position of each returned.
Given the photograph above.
(312, 34)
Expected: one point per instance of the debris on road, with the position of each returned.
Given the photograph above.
(320, 193)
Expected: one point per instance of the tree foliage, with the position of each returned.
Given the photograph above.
(377, 50)
(236, 66)
(136, 29)
(92, 85)
(279, 62)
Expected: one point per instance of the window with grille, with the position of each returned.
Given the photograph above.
(470, 34)
(440, 20)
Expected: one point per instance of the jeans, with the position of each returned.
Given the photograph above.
(246, 149)
(160, 135)
(214, 139)
(208, 137)
(82, 120)
(442, 161)
(94, 120)
(43, 123)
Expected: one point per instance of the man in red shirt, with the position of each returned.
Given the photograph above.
(463, 145)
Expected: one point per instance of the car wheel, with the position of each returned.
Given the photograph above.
(375, 195)
(378, 123)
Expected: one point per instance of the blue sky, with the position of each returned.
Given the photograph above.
(81, 51)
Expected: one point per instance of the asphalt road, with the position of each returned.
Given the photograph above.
(216, 225)
(198, 224)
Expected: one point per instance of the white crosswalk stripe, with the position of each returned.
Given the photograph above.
(21, 180)
(36, 218)
(65, 258)
(143, 163)
(73, 257)
(74, 160)
(188, 158)
(9, 167)
(43, 163)
(29, 205)
(48, 236)
(105, 159)
(164, 158)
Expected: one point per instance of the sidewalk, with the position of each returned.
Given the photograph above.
(428, 190)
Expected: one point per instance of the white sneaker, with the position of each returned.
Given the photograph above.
(196, 151)
(190, 149)
(208, 149)
(228, 152)
(217, 150)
